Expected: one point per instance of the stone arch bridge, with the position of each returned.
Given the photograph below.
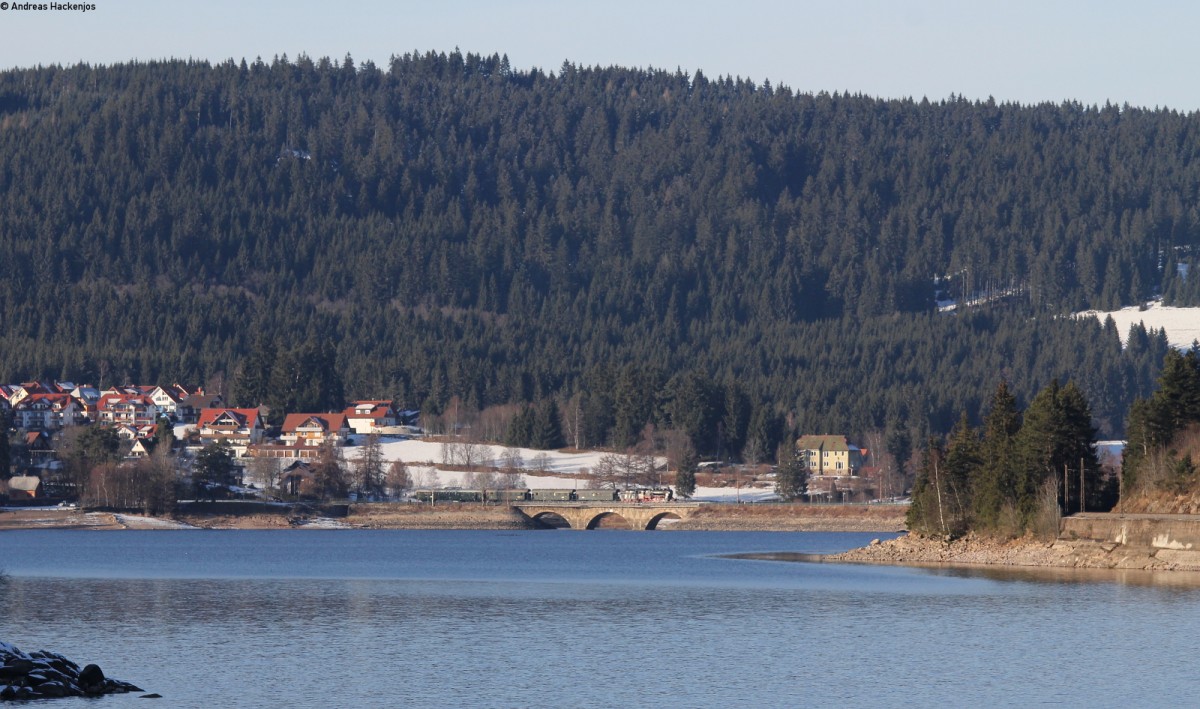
(590, 515)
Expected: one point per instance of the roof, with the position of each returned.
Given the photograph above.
(55, 401)
(24, 483)
(823, 443)
(244, 417)
(369, 410)
(201, 401)
(329, 422)
(110, 400)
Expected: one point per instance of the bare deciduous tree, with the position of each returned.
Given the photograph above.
(397, 479)
(370, 477)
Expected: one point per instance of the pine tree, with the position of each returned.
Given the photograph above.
(213, 471)
(685, 475)
(547, 433)
(1057, 439)
(961, 465)
(521, 428)
(993, 488)
(164, 435)
(791, 474)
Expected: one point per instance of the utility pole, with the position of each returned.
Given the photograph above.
(1066, 503)
(1081, 495)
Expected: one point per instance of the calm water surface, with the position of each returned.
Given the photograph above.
(583, 619)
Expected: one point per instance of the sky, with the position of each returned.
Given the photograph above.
(1019, 51)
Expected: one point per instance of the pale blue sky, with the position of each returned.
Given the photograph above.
(1141, 53)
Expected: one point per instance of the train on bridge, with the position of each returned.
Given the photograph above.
(512, 497)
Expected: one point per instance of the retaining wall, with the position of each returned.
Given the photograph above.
(1174, 532)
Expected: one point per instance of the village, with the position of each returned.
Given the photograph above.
(178, 441)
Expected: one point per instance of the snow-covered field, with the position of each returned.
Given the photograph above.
(423, 459)
(1182, 325)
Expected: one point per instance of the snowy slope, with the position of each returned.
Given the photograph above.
(1182, 325)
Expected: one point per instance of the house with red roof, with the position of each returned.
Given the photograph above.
(168, 398)
(44, 412)
(189, 407)
(133, 409)
(370, 416)
(312, 430)
(240, 428)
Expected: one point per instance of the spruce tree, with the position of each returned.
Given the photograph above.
(961, 465)
(791, 474)
(521, 428)
(685, 475)
(547, 433)
(993, 489)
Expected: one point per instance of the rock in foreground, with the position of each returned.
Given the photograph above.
(46, 675)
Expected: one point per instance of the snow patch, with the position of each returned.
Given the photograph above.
(1182, 325)
(324, 523)
(141, 522)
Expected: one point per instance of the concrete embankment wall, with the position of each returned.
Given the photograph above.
(1174, 532)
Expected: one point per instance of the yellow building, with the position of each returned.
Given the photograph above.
(829, 455)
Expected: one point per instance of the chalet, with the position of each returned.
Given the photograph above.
(311, 430)
(37, 443)
(189, 407)
(166, 399)
(129, 432)
(296, 479)
(7, 392)
(371, 416)
(45, 412)
(134, 409)
(88, 400)
(240, 428)
(140, 448)
(27, 389)
(829, 455)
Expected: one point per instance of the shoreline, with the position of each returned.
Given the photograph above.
(1024, 553)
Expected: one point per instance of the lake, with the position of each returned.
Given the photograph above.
(357, 618)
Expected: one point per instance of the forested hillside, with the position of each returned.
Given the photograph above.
(455, 227)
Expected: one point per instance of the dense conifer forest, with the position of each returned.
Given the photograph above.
(705, 254)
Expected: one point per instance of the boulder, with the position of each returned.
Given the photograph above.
(91, 679)
(42, 675)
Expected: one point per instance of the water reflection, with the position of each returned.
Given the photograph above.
(1183, 580)
(606, 620)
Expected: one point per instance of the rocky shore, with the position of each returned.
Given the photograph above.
(972, 550)
(795, 518)
(48, 675)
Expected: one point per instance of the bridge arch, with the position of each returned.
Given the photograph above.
(552, 520)
(609, 520)
(593, 515)
(663, 517)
